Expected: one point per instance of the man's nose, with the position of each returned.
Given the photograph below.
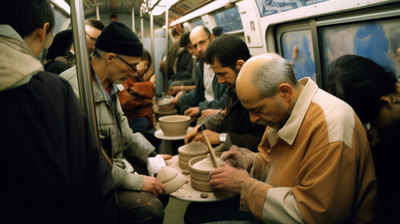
(254, 117)
(220, 80)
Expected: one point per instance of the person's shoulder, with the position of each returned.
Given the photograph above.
(56, 67)
(69, 74)
(47, 78)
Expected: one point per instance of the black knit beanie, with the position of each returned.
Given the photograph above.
(118, 38)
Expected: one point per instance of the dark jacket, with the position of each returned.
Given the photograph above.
(184, 66)
(236, 123)
(52, 171)
(196, 96)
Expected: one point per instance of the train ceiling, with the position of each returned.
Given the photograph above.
(180, 8)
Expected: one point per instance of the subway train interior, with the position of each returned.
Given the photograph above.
(308, 33)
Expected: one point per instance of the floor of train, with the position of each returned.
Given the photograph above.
(174, 211)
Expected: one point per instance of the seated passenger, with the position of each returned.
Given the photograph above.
(167, 69)
(52, 171)
(374, 93)
(314, 163)
(226, 56)
(60, 55)
(116, 55)
(136, 100)
(183, 65)
(185, 86)
(208, 93)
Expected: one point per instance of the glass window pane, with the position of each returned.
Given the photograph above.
(303, 63)
(228, 19)
(377, 40)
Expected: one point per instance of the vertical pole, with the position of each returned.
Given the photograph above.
(83, 64)
(133, 19)
(152, 37)
(142, 26)
(166, 48)
(97, 12)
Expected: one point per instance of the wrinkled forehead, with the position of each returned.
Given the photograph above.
(92, 31)
(247, 93)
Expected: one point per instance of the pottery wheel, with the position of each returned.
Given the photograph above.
(186, 192)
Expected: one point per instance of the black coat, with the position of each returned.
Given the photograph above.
(236, 123)
(184, 66)
(51, 168)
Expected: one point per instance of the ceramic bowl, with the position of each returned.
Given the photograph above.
(200, 167)
(190, 150)
(174, 125)
(171, 178)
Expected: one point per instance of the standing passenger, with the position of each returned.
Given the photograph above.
(93, 29)
(116, 57)
(60, 55)
(314, 163)
(52, 171)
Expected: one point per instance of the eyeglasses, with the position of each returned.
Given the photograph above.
(134, 68)
(200, 43)
(396, 101)
(91, 38)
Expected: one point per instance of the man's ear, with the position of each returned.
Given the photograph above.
(41, 32)
(110, 57)
(239, 64)
(285, 91)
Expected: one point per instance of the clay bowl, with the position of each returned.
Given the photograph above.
(190, 150)
(171, 178)
(164, 111)
(200, 167)
(174, 125)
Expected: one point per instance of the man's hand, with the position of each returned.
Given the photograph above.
(173, 90)
(228, 178)
(166, 156)
(191, 134)
(152, 185)
(212, 136)
(176, 98)
(209, 112)
(193, 112)
(240, 158)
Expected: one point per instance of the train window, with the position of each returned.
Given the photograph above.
(295, 45)
(313, 43)
(377, 40)
(228, 19)
(269, 7)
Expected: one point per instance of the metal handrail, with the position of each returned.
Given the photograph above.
(83, 64)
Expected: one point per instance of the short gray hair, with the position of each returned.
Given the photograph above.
(98, 53)
(271, 74)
